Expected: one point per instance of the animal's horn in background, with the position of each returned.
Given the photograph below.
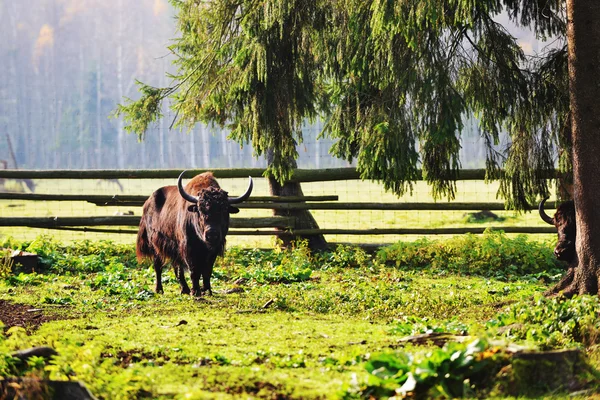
(543, 214)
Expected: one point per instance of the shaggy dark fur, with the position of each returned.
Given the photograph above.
(189, 236)
(564, 221)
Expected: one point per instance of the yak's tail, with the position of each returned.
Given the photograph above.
(142, 248)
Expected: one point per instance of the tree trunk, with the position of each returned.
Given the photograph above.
(583, 36)
(304, 219)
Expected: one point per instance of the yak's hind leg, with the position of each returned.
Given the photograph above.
(180, 274)
(158, 266)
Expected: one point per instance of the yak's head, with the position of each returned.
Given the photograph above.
(213, 206)
(564, 221)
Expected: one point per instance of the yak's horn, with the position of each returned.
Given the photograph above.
(543, 214)
(183, 193)
(235, 200)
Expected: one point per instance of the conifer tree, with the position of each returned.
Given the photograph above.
(248, 66)
(395, 81)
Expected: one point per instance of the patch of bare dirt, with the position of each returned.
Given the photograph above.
(127, 358)
(25, 316)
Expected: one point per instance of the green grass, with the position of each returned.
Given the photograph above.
(286, 324)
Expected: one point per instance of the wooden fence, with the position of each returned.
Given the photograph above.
(241, 226)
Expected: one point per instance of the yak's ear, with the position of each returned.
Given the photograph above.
(233, 210)
(193, 208)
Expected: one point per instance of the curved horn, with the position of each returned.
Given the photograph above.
(543, 214)
(236, 200)
(183, 193)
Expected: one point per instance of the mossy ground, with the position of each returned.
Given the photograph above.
(281, 324)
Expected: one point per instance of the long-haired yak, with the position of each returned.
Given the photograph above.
(187, 226)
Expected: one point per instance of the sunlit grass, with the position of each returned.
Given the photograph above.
(281, 324)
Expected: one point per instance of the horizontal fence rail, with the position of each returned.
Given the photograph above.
(299, 175)
(264, 222)
(259, 226)
(138, 200)
(422, 231)
(278, 203)
(133, 220)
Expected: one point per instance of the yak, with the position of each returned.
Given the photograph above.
(187, 229)
(564, 221)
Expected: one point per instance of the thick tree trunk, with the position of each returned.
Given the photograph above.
(583, 36)
(304, 219)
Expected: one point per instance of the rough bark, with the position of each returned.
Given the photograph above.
(303, 218)
(583, 36)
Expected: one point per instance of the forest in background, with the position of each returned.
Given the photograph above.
(65, 66)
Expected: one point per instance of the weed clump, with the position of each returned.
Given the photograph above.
(493, 255)
(455, 370)
(6, 263)
(551, 323)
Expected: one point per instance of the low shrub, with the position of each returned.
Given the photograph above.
(551, 323)
(456, 370)
(276, 266)
(491, 255)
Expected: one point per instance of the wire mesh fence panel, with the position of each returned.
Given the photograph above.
(66, 70)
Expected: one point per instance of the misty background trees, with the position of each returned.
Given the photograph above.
(65, 66)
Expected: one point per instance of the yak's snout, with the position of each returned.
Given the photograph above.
(213, 235)
(565, 250)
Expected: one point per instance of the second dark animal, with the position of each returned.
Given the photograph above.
(564, 221)
(187, 226)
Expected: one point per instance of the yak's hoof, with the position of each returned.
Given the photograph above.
(185, 291)
(158, 291)
(201, 292)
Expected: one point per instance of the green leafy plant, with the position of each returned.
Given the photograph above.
(411, 325)
(551, 322)
(456, 370)
(6, 263)
(345, 257)
(492, 255)
(277, 266)
(84, 256)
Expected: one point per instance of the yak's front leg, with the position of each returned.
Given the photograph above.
(180, 274)
(208, 273)
(195, 267)
(195, 276)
